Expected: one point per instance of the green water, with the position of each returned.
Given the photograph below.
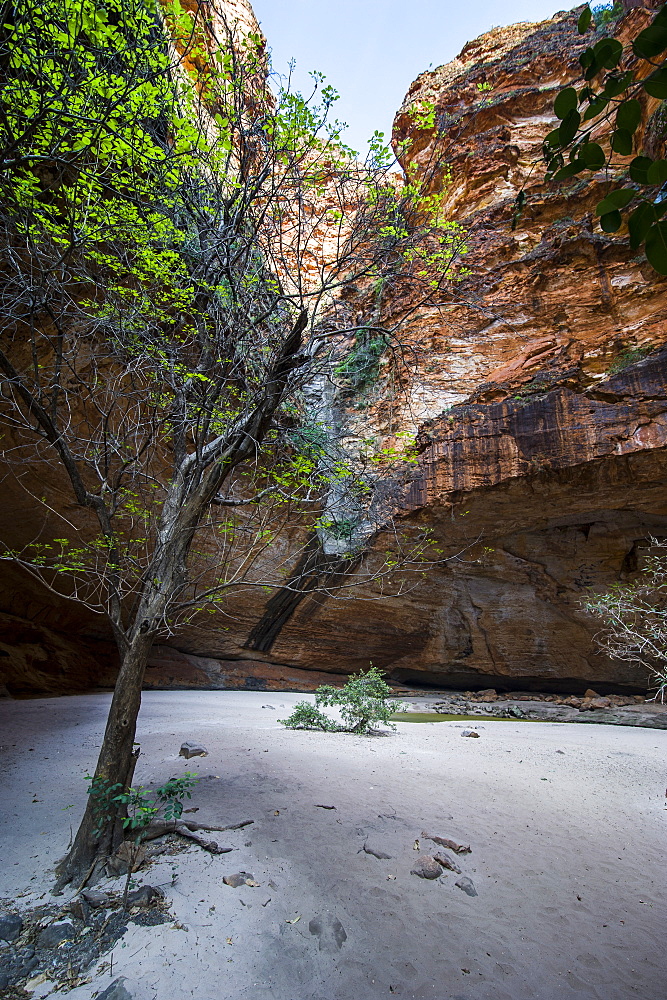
(436, 717)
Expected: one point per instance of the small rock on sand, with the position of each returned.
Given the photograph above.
(192, 750)
(470, 732)
(239, 878)
(447, 862)
(117, 991)
(426, 867)
(467, 885)
(451, 845)
(96, 898)
(52, 935)
(377, 852)
(11, 926)
(144, 896)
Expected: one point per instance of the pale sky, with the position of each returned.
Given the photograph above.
(372, 50)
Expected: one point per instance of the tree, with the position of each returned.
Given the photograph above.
(605, 135)
(178, 245)
(635, 617)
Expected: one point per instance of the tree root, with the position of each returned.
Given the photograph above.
(190, 829)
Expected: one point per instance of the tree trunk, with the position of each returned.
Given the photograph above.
(115, 763)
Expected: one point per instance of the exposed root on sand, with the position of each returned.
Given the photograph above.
(191, 830)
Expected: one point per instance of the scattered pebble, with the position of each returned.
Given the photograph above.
(447, 862)
(192, 750)
(117, 991)
(467, 885)
(451, 845)
(144, 896)
(95, 897)
(376, 852)
(11, 926)
(426, 867)
(239, 878)
(470, 732)
(54, 934)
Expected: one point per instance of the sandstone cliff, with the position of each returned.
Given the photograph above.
(541, 416)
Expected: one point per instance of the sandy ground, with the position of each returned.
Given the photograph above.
(566, 824)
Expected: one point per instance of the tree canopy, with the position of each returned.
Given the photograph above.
(178, 239)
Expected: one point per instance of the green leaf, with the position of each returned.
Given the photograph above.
(615, 85)
(649, 43)
(656, 247)
(596, 107)
(608, 51)
(586, 58)
(610, 222)
(569, 127)
(565, 102)
(629, 115)
(569, 170)
(639, 223)
(593, 155)
(554, 163)
(553, 138)
(639, 169)
(656, 83)
(657, 172)
(584, 22)
(621, 142)
(614, 200)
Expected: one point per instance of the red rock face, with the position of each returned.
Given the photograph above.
(541, 414)
(541, 405)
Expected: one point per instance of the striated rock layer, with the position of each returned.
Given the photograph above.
(541, 416)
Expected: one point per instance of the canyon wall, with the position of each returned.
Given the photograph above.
(540, 414)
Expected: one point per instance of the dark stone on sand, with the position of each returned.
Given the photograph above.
(190, 749)
(467, 885)
(447, 862)
(426, 867)
(144, 896)
(95, 897)
(11, 926)
(376, 852)
(54, 934)
(116, 991)
(239, 878)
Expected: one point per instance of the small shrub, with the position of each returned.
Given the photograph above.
(361, 367)
(363, 703)
(634, 617)
(141, 807)
(627, 358)
(307, 716)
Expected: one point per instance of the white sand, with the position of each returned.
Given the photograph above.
(567, 855)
